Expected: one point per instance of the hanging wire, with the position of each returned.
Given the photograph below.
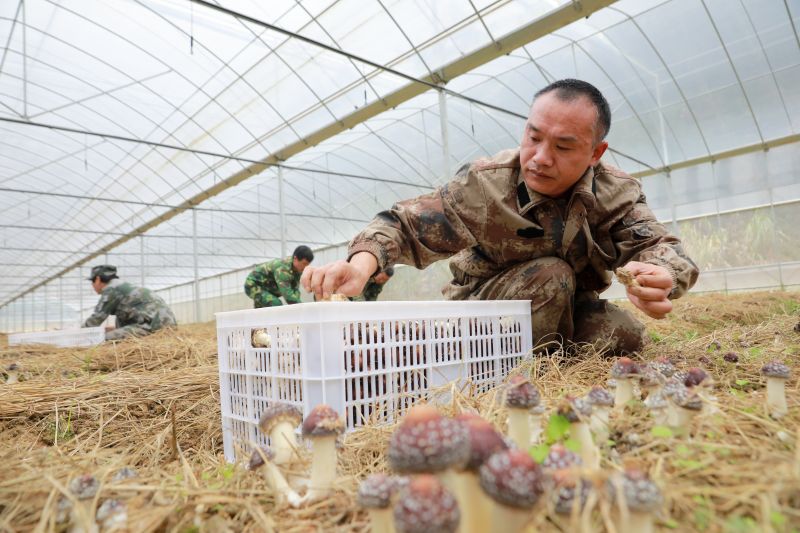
(191, 28)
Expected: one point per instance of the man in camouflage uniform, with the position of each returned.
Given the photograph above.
(547, 222)
(139, 311)
(374, 286)
(279, 277)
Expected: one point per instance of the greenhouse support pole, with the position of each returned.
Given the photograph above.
(281, 211)
(196, 276)
(80, 297)
(141, 260)
(445, 135)
(60, 303)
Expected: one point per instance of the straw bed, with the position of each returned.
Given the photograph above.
(153, 404)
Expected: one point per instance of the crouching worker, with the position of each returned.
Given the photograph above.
(138, 310)
(280, 277)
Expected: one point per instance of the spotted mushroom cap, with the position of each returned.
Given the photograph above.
(680, 375)
(656, 401)
(663, 365)
(279, 412)
(521, 393)
(624, 368)
(775, 369)
(426, 506)
(575, 409)
(124, 473)
(673, 385)
(560, 458)
(376, 491)
(641, 494)
(688, 399)
(651, 378)
(112, 508)
(426, 441)
(696, 376)
(484, 440)
(566, 488)
(600, 396)
(12, 367)
(513, 478)
(84, 487)
(323, 420)
(257, 459)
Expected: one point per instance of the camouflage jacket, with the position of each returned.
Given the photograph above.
(371, 292)
(488, 219)
(133, 306)
(276, 277)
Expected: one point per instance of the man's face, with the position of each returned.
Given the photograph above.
(558, 144)
(381, 278)
(299, 264)
(97, 285)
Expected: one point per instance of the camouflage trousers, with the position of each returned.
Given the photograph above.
(560, 314)
(262, 298)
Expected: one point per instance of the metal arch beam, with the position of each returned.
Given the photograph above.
(539, 27)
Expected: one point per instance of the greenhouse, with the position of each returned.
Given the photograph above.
(187, 142)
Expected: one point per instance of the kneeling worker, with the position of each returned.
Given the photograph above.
(280, 277)
(139, 311)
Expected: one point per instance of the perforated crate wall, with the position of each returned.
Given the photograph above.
(369, 360)
(64, 338)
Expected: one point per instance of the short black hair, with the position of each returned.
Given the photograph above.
(389, 271)
(105, 278)
(569, 89)
(303, 252)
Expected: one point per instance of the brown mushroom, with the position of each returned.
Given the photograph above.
(602, 401)
(776, 373)
(637, 499)
(322, 427)
(578, 411)
(279, 422)
(624, 371)
(12, 373)
(375, 494)
(82, 515)
(426, 506)
(515, 482)
(262, 458)
(521, 397)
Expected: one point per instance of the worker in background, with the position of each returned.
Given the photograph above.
(547, 222)
(374, 286)
(139, 311)
(280, 277)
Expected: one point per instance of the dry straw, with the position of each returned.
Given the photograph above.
(152, 404)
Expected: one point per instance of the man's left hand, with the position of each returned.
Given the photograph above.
(655, 284)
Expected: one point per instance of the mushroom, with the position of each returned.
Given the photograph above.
(578, 411)
(696, 377)
(560, 458)
(426, 506)
(568, 496)
(658, 406)
(124, 473)
(12, 371)
(521, 397)
(484, 440)
(637, 499)
(112, 516)
(687, 405)
(322, 426)
(375, 495)
(261, 339)
(776, 373)
(663, 365)
(602, 401)
(262, 457)
(82, 516)
(279, 422)
(625, 371)
(651, 381)
(514, 481)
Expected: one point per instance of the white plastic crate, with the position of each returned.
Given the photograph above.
(64, 337)
(368, 360)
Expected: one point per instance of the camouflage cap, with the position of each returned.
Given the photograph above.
(102, 270)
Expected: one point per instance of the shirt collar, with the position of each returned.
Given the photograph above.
(528, 198)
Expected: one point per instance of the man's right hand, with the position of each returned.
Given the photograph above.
(340, 277)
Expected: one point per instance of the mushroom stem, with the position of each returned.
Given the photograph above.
(275, 480)
(536, 428)
(776, 397)
(476, 508)
(323, 466)
(639, 523)
(283, 442)
(12, 377)
(680, 418)
(509, 519)
(590, 455)
(82, 517)
(598, 423)
(623, 393)
(381, 520)
(519, 427)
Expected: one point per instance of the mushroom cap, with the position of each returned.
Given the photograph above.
(600, 396)
(521, 393)
(426, 441)
(731, 357)
(84, 487)
(663, 365)
(560, 458)
(566, 487)
(673, 385)
(12, 367)
(624, 367)
(652, 377)
(110, 508)
(323, 420)
(257, 459)
(376, 491)
(656, 401)
(688, 399)
(513, 478)
(484, 439)
(695, 376)
(425, 506)
(279, 412)
(641, 494)
(775, 369)
(575, 409)
(124, 473)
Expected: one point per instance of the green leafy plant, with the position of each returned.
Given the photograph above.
(557, 430)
